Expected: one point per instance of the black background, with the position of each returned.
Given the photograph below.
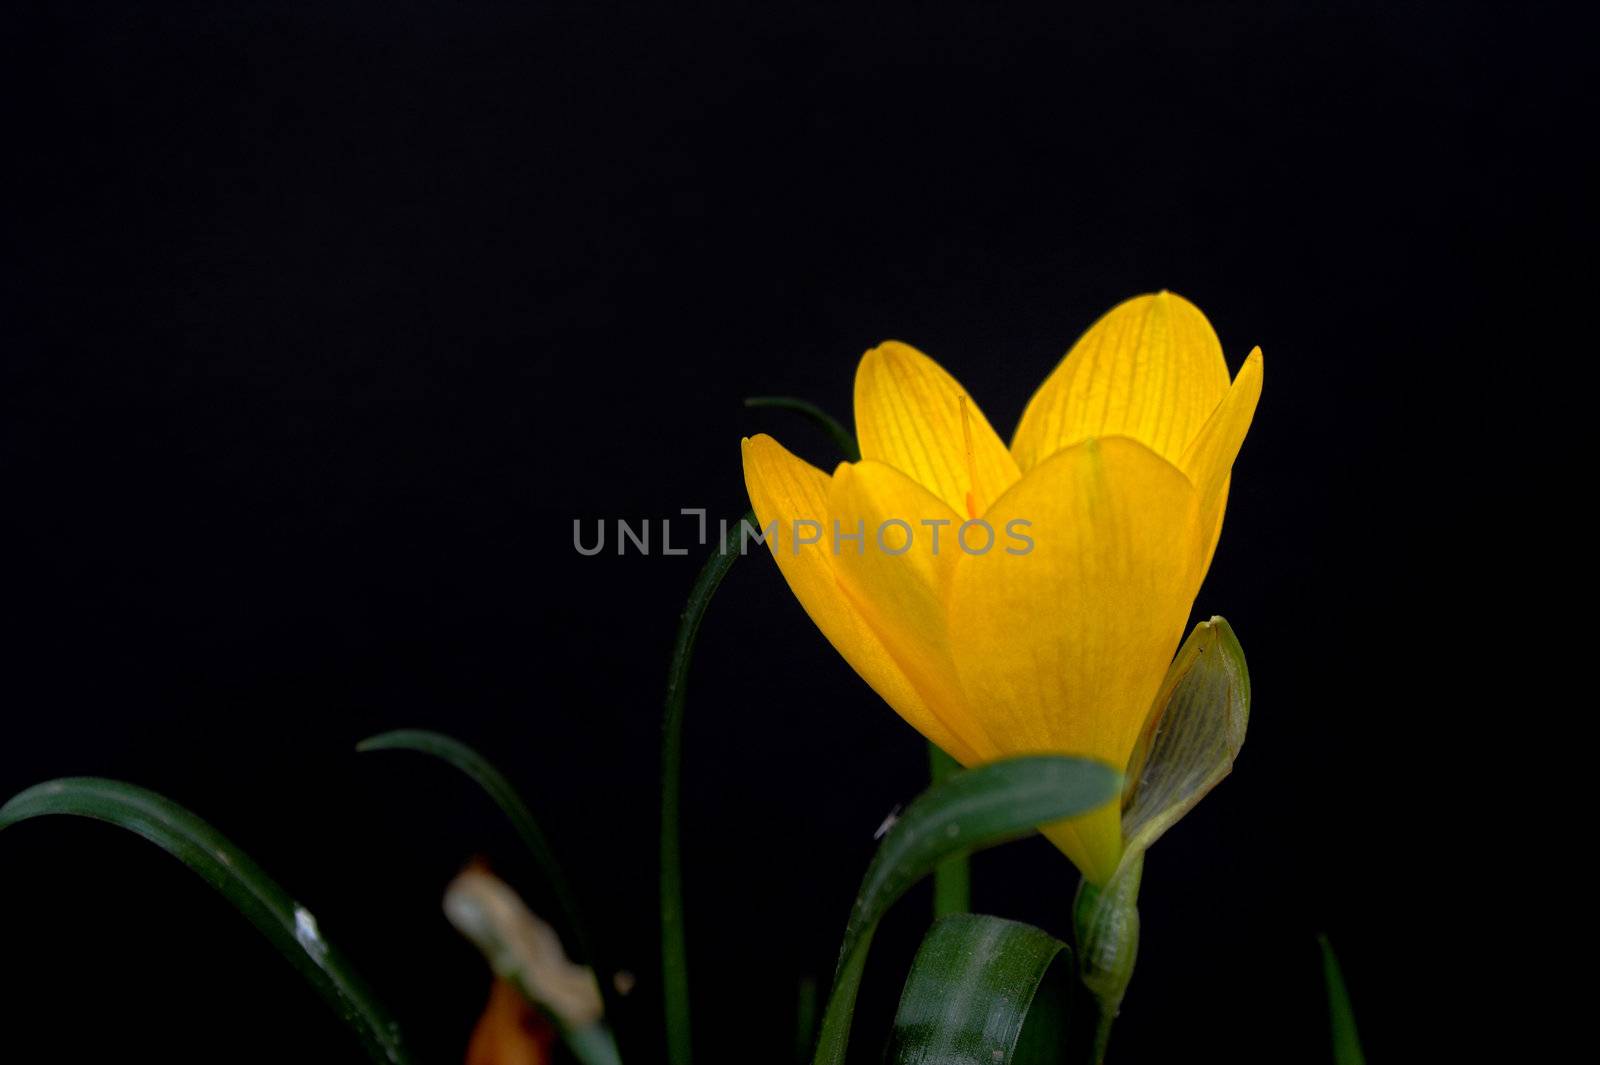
(329, 319)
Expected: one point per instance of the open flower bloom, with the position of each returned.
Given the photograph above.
(1100, 521)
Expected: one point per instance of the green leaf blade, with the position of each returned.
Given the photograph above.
(970, 810)
(1341, 1015)
(974, 986)
(494, 784)
(289, 926)
(511, 803)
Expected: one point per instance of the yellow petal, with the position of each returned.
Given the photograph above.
(1208, 460)
(1211, 515)
(1063, 648)
(785, 490)
(914, 416)
(895, 549)
(1209, 457)
(1151, 369)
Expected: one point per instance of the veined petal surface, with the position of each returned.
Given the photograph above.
(895, 568)
(1151, 369)
(914, 416)
(1208, 460)
(1063, 648)
(785, 490)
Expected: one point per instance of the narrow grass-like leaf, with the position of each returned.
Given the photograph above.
(842, 438)
(289, 926)
(1341, 1016)
(975, 808)
(674, 946)
(975, 982)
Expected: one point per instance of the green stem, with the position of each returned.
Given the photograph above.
(674, 949)
(952, 879)
(1106, 926)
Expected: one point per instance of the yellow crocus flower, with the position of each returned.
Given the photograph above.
(1117, 478)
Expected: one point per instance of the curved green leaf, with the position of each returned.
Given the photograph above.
(497, 787)
(290, 926)
(1341, 1016)
(967, 811)
(842, 438)
(975, 982)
